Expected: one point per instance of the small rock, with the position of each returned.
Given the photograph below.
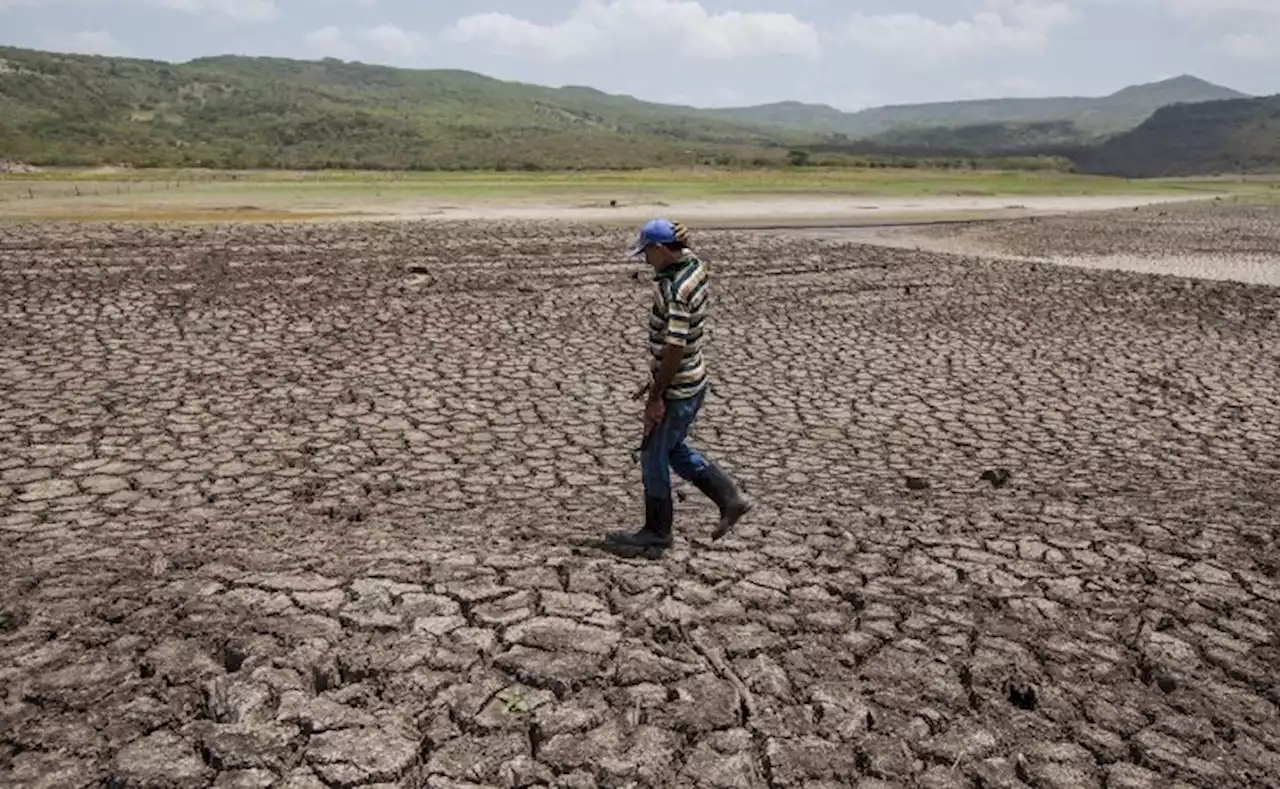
(49, 489)
(301, 582)
(259, 747)
(1060, 752)
(998, 773)
(939, 777)
(557, 633)
(1023, 696)
(804, 761)
(104, 484)
(437, 625)
(1057, 775)
(159, 759)
(360, 756)
(708, 768)
(178, 660)
(917, 483)
(229, 700)
(960, 743)
(246, 779)
(320, 714)
(357, 618)
(1131, 776)
(1169, 652)
(327, 601)
(36, 770)
(302, 778)
(998, 477)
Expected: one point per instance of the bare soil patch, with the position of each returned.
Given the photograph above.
(152, 204)
(779, 211)
(1206, 240)
(275, 513)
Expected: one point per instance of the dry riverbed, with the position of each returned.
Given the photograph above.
(276, 512)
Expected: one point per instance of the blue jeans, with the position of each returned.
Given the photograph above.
(667, 449)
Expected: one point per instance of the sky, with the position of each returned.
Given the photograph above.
(847, 53)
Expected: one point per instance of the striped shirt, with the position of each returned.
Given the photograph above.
(678, 318)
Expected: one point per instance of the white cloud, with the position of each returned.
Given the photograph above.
(325, 37)
(239, 10)
(1220, 8)
(1247, 30)
(1253, 46)
(236, 10)
(613, 27)
(86, 42)
(1004, 87)
(1252, 27)
(396, 40)
(1001, 27)
(331, 41)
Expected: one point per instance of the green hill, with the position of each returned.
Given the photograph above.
(1238, 135)
(788, 115)
(1103, 115)
(983, 139)
(250, 112)
(270, 112)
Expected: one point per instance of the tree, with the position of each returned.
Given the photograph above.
(798, 158)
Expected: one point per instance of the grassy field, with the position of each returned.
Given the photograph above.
(196, 195)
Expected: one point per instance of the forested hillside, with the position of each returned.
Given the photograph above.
(985, 139)
(1240, 135)
(266, 112)
(1101, 115)
(240, 112)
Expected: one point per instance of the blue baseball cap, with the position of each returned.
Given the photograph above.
(656, 231)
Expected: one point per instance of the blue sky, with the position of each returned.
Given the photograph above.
(848, 53)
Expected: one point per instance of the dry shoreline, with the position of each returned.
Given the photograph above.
(1161, 240)
(787, 210)
(806, 211)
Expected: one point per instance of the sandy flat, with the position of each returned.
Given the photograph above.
(722, 211)
(1201, 241)
(775, 210)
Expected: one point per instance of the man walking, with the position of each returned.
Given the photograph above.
(677, 387)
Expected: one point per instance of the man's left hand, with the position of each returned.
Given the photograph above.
(654, 411)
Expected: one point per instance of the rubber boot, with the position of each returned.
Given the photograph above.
(718, 486)
(656, 533)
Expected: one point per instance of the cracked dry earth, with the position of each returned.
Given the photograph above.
(274, 512)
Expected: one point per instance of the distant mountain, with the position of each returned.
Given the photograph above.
(794, 115)
(272, 112)
(257, 112)
(1104, 115)
(1231, 136)
(983, 139)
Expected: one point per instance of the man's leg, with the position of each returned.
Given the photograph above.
(684, 459)
(656, 473)
(709, 478)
